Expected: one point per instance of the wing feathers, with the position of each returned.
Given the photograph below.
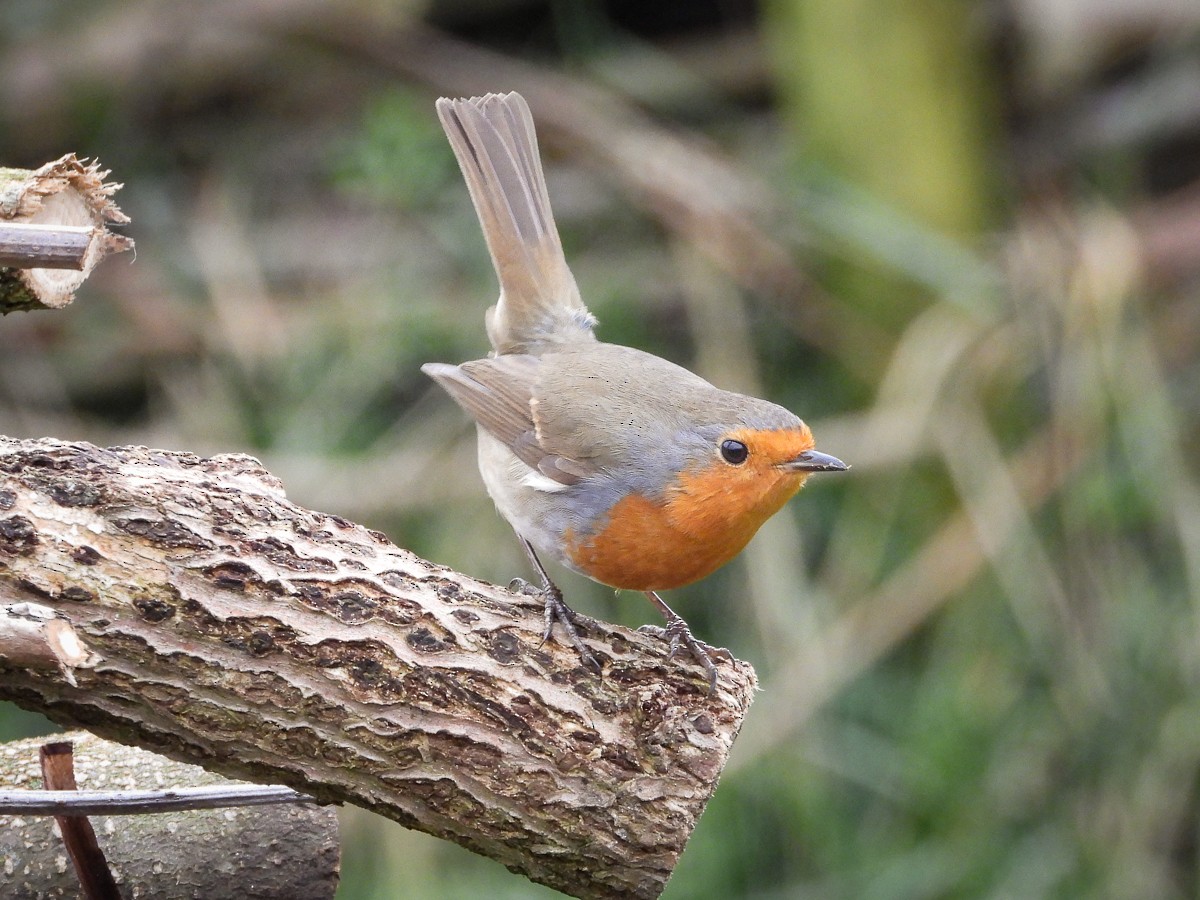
(498, 394)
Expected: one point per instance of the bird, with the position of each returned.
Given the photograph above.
(611, 461)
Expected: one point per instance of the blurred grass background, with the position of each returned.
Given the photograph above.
(962, 239)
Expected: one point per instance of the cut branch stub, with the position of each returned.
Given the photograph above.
(228, 627)
(66, 194)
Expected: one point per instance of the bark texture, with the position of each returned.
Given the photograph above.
(66, 192)
(219, 854)
(226, 626)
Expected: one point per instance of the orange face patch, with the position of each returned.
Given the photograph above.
(708, 517)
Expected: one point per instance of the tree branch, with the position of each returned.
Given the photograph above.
(33, 636)
(45, 246)
(136, 803)
(53, 231)
(226, 626)
(219, 854)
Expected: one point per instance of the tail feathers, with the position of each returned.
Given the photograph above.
(496, 146)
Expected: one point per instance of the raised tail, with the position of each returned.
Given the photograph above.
(496, 146)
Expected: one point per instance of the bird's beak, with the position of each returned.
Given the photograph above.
(815, 461)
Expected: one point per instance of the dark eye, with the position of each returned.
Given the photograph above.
(734, 452)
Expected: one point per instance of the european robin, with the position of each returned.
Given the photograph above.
(615, 463)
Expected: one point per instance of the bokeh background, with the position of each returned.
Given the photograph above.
(961, 238)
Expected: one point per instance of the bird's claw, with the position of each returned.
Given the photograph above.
(679, 636)
(558, 611)
(521, 586)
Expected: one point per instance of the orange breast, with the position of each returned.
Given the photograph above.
(703, 524)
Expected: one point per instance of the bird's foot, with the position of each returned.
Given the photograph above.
(680, 637)
(558, 611)
(528, 588)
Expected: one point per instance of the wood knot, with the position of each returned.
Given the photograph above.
(86, 556)
(18, 537)
(505, 647)
(74, 493)
(164, 533)
(77, 594)
(153, 610)
(260, 643)
(232, 575)
(424, 641)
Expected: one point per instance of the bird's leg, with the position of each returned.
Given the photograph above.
(557, 609)
(678, 633)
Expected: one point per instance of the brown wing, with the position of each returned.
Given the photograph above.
(498, 393)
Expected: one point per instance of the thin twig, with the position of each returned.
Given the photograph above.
(25, 246)
(128, 803)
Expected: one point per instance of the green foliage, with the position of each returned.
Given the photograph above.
(399, 155)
